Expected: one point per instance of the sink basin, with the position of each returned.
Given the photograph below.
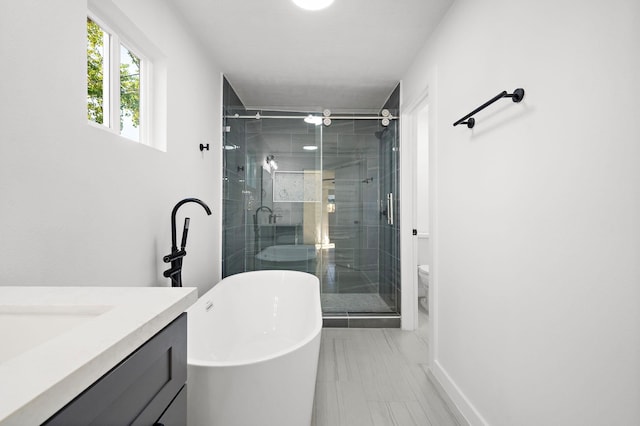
(25, 327)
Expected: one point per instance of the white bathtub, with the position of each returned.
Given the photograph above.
(253, 345)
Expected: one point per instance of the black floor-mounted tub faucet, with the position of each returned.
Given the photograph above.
(176, 256)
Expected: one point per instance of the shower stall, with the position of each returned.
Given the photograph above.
(316, 192)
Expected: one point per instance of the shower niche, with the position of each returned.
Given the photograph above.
(314, 198)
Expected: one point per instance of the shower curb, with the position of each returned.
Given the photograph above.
(361, 321)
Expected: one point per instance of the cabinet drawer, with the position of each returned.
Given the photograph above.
(138, 390)
(176, 413)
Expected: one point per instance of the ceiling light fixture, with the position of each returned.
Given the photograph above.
(310, 147)
(313, 4)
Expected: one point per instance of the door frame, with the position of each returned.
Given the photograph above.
(409, 117)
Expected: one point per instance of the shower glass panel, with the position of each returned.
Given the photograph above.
(314, 198)
(389, 219)
(353, 177)
(283, 194)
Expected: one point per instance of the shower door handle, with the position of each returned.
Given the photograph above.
(390, 208)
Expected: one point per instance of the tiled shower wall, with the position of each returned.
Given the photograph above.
(247, 186)
(284, 139)
(351, 151)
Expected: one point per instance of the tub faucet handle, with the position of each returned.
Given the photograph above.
(274, 217)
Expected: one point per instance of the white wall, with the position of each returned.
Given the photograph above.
(81, 206)
(537, 217)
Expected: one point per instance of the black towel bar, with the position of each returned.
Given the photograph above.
(516, 96)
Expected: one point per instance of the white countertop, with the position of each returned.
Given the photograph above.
(40, 374)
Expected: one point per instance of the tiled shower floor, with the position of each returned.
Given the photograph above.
(345, 290)
(353, 302)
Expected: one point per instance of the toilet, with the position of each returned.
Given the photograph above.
(423, 286)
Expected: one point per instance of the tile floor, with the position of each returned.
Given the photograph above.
(377, 377)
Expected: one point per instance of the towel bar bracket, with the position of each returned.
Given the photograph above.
(517, 95)
(470, 122)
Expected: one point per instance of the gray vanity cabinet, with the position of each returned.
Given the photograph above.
(147, 388)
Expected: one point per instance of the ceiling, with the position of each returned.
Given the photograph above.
(348, 57)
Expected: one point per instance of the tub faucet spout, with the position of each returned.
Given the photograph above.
(174, 245)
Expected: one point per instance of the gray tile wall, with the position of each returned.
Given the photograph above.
(351, 149)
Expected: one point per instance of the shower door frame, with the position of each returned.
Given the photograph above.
(354, 319)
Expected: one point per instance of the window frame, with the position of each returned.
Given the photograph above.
(111, 80)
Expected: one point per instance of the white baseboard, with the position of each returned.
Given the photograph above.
(464, 412)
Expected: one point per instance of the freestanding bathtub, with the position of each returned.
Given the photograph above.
(253, 345)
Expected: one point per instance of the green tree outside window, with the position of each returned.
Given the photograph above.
(129, 79)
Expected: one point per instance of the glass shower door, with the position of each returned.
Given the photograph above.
(284, 206)
(389, 219)
(355, 172)
(322, 199)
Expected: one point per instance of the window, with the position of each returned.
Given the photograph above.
(115, 83)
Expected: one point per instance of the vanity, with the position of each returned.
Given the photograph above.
(93, 355)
